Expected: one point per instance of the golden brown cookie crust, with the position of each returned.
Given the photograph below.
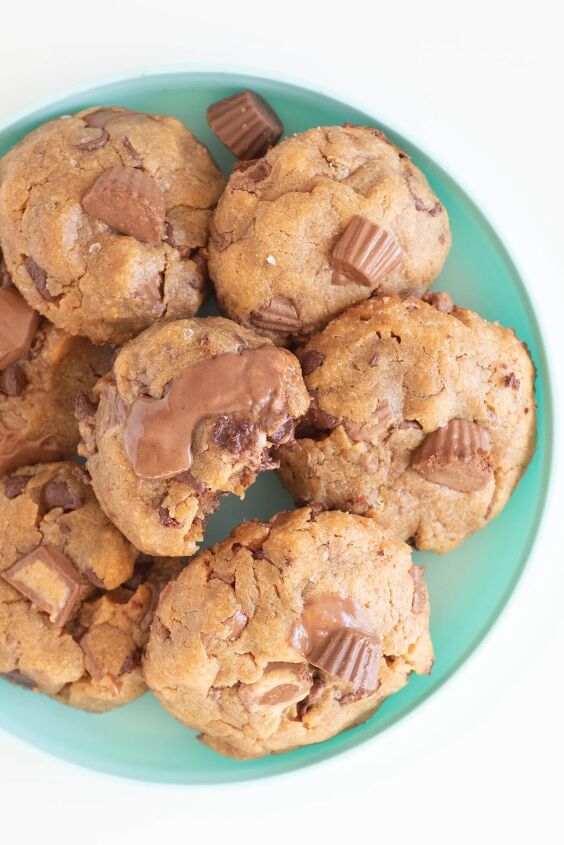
(76, 270)
(220, 656)
(167, 515)
(383, 377)
(280, 217)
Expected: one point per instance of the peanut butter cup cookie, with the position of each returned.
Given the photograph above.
(190, 410)
(42, 371)
(288, 632)
(422, 414)
(324, 220)
(74, 614)
(103, 217)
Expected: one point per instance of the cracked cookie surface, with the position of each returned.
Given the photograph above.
(190, 410)
(288, 632)
(422, 413)
(39, 387)
(107, 260)
(279, 220)
(74, 612)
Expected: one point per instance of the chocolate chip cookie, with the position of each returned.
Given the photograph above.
(42, 371)
(190, 410)
(74, 614)
(103, 218)
(324, 220)
(422, 414)
(288, 632)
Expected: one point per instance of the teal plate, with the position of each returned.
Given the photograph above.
(469, 587)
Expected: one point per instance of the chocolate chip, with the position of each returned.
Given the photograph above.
(58, 494)
(12, 380)
(365, 253)
(82, 475)
(511, 381)
(311, 360)
(94, 143)
(245, 123)
(132, 152)
(84, 407)
(439, 300)
(14, 485)
(248, 173)
(39, 278)
(18, 679)
(315, 695)
(278, 314)
(235, 435)
(130, 201)
(166, 520)
(284, 432)
(131, 662)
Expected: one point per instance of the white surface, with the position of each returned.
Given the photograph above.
(479, 87)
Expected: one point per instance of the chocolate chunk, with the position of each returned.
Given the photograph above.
(419, 588)
(186, 477)
(456, 456)
(18, 323)
(18, 679)
(166, 520)
(511, 381)
(94, 143)
(58, 494)
(130, 201)
(132, 152)
(278, 314)
(99, 119)
(433, 210)
(311, 360)
(283, 433)
(12, 380)
(365, 253)
(14, 485)
(49, 580)
(245, 123)
(82, 475)
(406, 424)
(131, 662)
(382, 416)
(333, 634)
(282, 685)
(247, 174)
(84, 407)
(439, 300)
(314, 696)
(39, 278)
(318, 418)
(235, 435)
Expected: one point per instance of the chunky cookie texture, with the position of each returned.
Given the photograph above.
(74, 613)
(104, 216)
(42, 371)
(422, 414)
(322, 221)
(288, 632)
(190, 410)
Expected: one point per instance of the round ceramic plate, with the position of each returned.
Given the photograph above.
(468, 587)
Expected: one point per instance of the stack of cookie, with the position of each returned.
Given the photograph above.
(394, 417)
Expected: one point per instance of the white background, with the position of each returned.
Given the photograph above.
(479, 86)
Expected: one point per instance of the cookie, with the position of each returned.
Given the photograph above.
(421, 413)
(74, 614)
(324, 220)
(103, 218)
(288, 632)
(189, 411)
(42, 371)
